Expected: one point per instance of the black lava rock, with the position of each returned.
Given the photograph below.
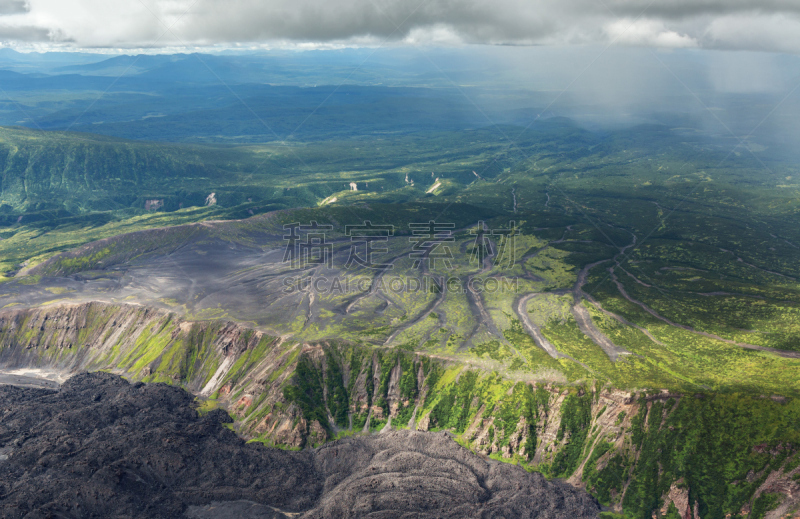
(101, 447)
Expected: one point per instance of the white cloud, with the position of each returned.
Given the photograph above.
(650, 33)
(439, 34)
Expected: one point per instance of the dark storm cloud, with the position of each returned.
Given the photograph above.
(765, 24)
(668, 23)
(315, 20)
(686, 8)
(13, 7)
(24, 34)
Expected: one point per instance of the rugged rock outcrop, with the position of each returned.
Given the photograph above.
(102, 447)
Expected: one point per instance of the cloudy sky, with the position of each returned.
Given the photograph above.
(768, 25)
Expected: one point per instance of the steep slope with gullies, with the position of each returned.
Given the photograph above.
(101, 447)
(698, 455)
(84, 172)
(152, 345)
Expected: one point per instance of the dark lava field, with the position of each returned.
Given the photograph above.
(102, 447)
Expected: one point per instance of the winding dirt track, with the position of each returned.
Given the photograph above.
(781, 353)
(431, 307)
(476, 300)
(514, 196)
(533, 330)
(622, 320)
(588, 328)
(584, 320)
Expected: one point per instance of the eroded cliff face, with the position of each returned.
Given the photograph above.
(651, 454)
(229, 364)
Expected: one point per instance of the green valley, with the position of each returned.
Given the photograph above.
(608, 311)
